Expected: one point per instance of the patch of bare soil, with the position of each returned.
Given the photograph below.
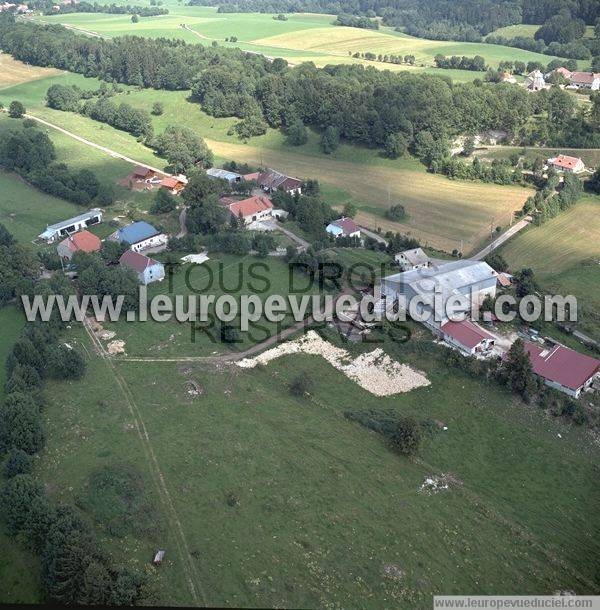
(193, 388)
(375, 371)
(116, 347)
(393, 571)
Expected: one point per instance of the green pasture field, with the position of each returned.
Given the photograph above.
(527, 30)
(223, 274)
(564, 253)
(283, 502)
(303, 37)
(19, 571)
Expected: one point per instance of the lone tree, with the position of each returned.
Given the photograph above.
(297, 134)
(301, 385)
(157, 108)
(407, 436)
(134, 18)
(518, 370)
(16, 110)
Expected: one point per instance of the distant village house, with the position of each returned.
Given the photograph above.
(564, 163)
(174, 184)
(412, 259)
(249, 210)
(271, 180)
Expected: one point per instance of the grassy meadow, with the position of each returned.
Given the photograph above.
(565, 253)
(283, 502)
(302, 37)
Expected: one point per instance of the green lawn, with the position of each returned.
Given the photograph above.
(283, 502)
(223, 274)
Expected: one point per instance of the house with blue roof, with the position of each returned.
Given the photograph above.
(140, 236)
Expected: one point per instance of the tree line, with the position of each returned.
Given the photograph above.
(356, 21)
(455, 62)
(29, 152)
(46, 6)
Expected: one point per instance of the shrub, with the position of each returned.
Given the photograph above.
(301, 385)
(407, 436)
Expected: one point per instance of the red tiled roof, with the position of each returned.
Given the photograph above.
(562, 70)
(252, 176)
(347, 225)
(504, 280)
(84, 241)
(136, 261)
(566, 161)
(170, 183)
(466, 333)
(586, 78)
(562, 365)
(250, 206)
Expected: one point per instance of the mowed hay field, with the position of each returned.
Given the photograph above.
(268, 500)
(13, 72)
(303, 37)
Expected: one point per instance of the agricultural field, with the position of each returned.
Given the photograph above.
(564, 254)
(13, 72)
(443, 214)
(303, 37)
(249, 522)
(528, 30)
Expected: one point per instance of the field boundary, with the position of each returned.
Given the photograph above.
(192, 576)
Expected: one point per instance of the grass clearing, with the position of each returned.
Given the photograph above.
(266, 527)
(564, 253)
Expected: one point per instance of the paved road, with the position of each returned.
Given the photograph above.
(519, 226)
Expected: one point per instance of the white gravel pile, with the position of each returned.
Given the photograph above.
(376, 372)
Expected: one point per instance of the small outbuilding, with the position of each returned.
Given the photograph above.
(223, 174)
(467, 337)
(174, 184)
(412, 259)
(72, 225)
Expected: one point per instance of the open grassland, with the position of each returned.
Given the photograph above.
(443, 214)
(528, 30)
(224, 274)
(13, 72)
(26, 212)
(19, 572)
(303, 37)
(283, 502)
(565, 255)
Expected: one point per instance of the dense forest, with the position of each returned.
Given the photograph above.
(468, 20)
(360, 105)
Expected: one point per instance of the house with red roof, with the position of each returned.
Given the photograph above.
(250, 210)
(343, 227)
(562, 368)
(173, 184)
(585, 80)
(148, 270)
(84, 241)
(565, 163)
(271, 180)
(467, 337)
